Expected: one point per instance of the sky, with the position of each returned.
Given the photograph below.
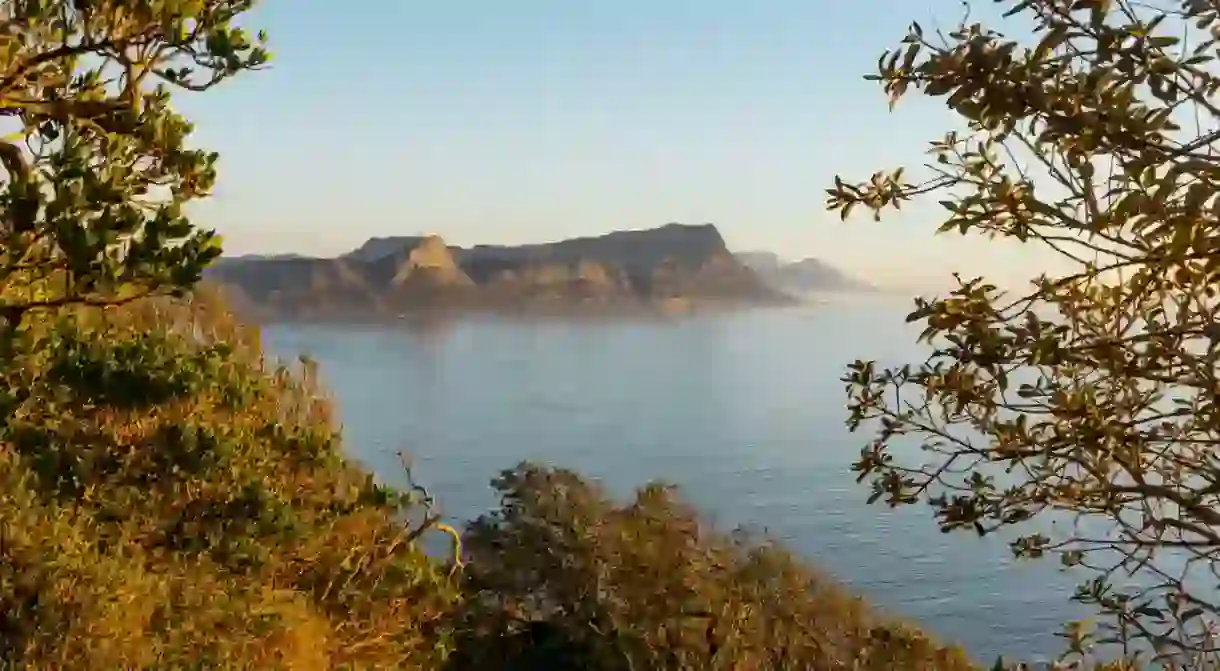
(536, 120)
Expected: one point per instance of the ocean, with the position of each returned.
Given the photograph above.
(745, 411)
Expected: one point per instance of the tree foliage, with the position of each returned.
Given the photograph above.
(96, 163)
(1091, 397)
(561, 576)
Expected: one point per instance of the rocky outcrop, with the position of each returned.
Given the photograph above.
(426, 263)
(690, 265)
(380, 247)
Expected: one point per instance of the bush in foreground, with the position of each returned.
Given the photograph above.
(562, 577)
(167, 502)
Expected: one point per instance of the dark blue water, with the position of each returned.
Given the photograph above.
(745, 411)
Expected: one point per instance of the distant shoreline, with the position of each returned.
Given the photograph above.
(558, 312)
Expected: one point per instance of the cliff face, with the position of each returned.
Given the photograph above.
(426, 264)
(395, 275)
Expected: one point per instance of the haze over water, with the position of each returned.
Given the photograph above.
(745, 411)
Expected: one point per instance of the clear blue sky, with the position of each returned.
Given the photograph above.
(535, 120)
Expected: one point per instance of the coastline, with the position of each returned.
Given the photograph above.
(558, 311)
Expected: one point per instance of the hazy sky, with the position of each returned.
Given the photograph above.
(533, 120)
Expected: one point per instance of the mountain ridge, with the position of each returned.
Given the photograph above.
(675, 266)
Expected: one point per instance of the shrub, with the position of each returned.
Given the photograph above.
(562, 577)
(169, 501)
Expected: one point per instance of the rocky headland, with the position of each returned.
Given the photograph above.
(672, 268)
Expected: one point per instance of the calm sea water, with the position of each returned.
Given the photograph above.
(745, 411)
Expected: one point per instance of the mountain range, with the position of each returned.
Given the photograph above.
(676, 266)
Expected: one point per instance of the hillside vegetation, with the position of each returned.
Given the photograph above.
(170, 503)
